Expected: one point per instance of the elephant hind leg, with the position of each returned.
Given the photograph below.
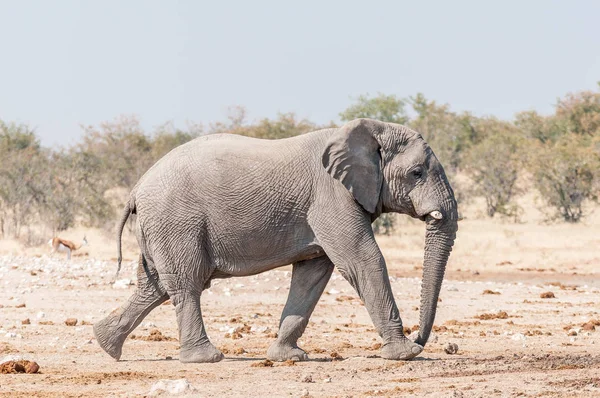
(185, 292)
(112, 331)
(195, 345)
(309, 279)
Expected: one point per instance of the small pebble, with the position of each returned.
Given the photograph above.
(451, 348)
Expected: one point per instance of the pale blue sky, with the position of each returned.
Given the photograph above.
(63, 63)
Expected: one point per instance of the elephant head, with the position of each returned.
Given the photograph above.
(390, 168)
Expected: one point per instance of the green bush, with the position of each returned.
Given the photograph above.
(494, 164)
(566, 175)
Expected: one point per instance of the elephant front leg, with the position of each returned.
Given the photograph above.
(372, 284)
(309, 279)
(112, 331)
(351, 246)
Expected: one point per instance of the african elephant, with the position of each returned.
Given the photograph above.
(225, 205)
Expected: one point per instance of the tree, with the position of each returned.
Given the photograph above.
(537, 127)
(386, 108)
(566, 173)
(166, 137)
(448, 133)
(120, 150)
(565, 160)
(284, 126)
(494, 164)
(580, 113)
(20, 192)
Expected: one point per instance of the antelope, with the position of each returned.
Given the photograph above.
(62, 245)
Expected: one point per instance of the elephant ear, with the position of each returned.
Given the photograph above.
(352, 157)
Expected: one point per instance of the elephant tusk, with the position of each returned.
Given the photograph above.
(436, 214)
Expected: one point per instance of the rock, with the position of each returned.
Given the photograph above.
(307, 379)
(171, 387)
(71, 321)
(21, 366)
(40, 315)
(518, 336)
(589, 326)
(452, 288)
(26, 322)
(488, 316)
(155, 335)
(547, 295)
(451, 348)
(263, 364)
(122, 284)
(11, 357)
(433, 337)
(488, 291)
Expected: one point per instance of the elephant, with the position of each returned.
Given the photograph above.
(225, 205)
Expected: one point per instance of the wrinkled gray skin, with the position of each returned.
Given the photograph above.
(226, 205)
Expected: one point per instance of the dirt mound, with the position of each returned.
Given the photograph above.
(155, 335)
(19, 367)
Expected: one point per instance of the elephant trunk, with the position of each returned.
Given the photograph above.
(439, 238)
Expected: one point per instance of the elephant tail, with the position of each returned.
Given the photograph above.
(129, 209)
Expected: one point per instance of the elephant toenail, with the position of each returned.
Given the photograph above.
(416, 350)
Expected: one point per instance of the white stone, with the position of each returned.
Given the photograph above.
(122, 284)
(518, 336)
(171, 387)
(11, 357)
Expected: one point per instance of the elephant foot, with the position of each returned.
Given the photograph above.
(207, 353)
(108, 339)
(401, 350)
(281, 353)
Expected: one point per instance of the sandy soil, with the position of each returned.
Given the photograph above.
(511, 341)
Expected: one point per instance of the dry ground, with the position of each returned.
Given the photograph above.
(537, 347)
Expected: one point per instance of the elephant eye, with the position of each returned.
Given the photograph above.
(417, 173)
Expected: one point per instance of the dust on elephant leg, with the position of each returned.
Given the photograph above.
(112, 331)
(309, 279)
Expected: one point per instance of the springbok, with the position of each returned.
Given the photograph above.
(62, 245)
